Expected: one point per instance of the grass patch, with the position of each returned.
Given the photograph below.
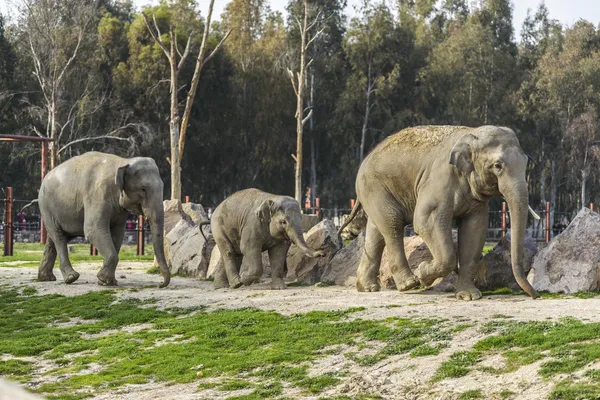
(471, 395)
(77, 331)
(30, 254)
(458, 365)
(506, 394)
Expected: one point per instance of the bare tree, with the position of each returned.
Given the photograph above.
(582, 135)
(299, 83)
(178, 130)
(55, 33)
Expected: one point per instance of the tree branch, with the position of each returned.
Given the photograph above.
(157, 40)
(185, 52)
(305, 119)
(212, 54)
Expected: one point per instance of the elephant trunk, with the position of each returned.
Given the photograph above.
(516, 196)
(156, 216)
(297, 237)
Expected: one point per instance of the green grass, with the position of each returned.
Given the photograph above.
(471, 395)
(30, 254)
(268, 348)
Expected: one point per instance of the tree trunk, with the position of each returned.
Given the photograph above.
(365, 126)
(300, 106)
(584, 177)
(313, 149)
(53, 146)
(174, 129)
(553, 190)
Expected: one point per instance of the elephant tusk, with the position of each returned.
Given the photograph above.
(533, 213)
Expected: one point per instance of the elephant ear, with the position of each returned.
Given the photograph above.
(120, 177)
(263, 212)
(461, 155)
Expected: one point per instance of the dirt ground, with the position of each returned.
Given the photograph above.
(396, 377)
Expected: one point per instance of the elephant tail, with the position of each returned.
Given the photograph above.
(355, 210)
(202, 224)
(29, 205)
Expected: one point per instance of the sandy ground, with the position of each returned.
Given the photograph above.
(397, 377)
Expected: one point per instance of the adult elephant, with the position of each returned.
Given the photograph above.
(90, 195)
(428, 176)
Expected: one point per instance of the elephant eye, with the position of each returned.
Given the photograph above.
(498, 166)
(283, 222)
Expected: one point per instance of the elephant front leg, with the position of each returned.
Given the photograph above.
(277, 256)
(102, 239)
(471, 239)
(434, 224)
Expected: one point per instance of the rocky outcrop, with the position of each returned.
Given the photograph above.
(308, 221)
(356, 226)
(186, 250)
(341, 270)
(301, 268)
(571, 261)
(498, 267)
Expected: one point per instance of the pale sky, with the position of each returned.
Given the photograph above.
(566, 11)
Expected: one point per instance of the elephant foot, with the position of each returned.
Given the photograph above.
(408, 284)
(278, 284)
(427, 273)
(105, 279)
(235, 283)
(366, 285)
(220, 283)
(250, 279)
(46, 277)
(71, 277)
(467, 292)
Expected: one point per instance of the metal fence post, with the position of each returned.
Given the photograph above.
(318, 207)
(548, 221)
(140, 236)
(187, 199)
(8, 223)
(352, 204)
(503, 218)
(592, 206)
(93, 250)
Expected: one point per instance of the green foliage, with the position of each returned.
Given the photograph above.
(471, 395)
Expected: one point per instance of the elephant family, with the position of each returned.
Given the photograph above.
(90, 195)
(428, 176)
(250, 222)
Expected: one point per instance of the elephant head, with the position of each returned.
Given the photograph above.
(495, 165)
(141, 191)
(284, 218)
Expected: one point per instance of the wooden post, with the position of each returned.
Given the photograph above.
(8, 223)
(352, 203)
(93, 250)
(43, 233)
(503, 219)
(318, 206)
(140, 237)
(548, 222)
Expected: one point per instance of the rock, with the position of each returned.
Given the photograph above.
(195, 211)
(356, 226)
(215, 262)
(308, 221)
(188, 251)
(173, 214)
(341, 270)
(571, 261)
(497, 266)
(322, 236)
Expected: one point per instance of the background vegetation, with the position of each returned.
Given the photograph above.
(394, 65)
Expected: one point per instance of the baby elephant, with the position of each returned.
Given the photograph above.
(250, 222)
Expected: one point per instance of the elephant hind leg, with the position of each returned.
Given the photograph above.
(103, 240)
(399, 267)
(368, 270)
(47, 264)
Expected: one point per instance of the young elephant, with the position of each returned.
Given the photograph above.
(250, 222)
(91, 195)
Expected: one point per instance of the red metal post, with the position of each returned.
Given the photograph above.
(548, 221)
(93, 250)
(352, 203)
(318, 206)
(503, 218)
(592, 206)
(43, 233)
(187, 199)
(8, 223)
(140, 238)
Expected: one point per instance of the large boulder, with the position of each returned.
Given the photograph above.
(341, 270)
(308, 221)
(356, 226)
(571, 261)
(216, 262)
(186, 250)
(301, 268)
(497, 266)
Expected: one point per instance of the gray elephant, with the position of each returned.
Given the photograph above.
(427, 176)
(90, 195)
(250, 222)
